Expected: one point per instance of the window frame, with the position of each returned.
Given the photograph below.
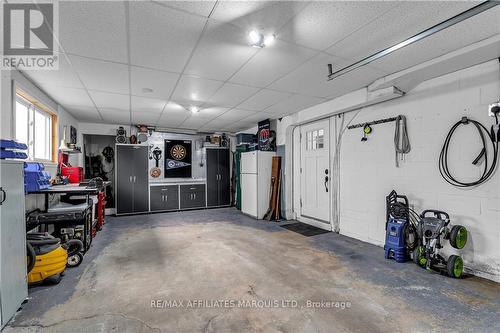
(34, 106)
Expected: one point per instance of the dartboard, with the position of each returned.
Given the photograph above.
(178, 152)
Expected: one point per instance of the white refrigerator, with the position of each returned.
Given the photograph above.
(255, 182)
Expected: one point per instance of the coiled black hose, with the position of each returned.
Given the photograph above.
(488, 170)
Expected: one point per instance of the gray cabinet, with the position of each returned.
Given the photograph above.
(192, 196)
(131, 179)
(218, 177)
(164, 197)
(13, 284)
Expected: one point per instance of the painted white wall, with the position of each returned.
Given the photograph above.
(368, 171)
(9, 80)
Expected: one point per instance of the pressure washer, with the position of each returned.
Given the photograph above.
(432, 228)
(401, 237)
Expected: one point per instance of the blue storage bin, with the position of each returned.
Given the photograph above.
(35, 177)
(13, 154)
(12, 145)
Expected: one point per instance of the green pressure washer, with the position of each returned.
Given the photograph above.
(431, 229)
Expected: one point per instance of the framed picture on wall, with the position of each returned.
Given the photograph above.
(72, 135)
(178, 159)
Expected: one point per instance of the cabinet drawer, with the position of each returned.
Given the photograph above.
(164, 197)
(192, 188)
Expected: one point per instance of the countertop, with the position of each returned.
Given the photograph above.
(175, 181)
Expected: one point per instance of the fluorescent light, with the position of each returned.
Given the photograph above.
(269, 40)
(194, 109)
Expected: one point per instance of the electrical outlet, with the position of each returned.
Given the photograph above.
(494, 108)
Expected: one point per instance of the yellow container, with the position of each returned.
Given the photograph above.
(48, 264)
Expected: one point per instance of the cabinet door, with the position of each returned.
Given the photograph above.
(13, 284)
(224, 178)
(164, 197)
(212, 177)
(140, 162)
(192, 196)
(124, 180)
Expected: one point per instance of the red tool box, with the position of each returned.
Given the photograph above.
(74, 174)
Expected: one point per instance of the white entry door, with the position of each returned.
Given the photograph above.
(315, 174)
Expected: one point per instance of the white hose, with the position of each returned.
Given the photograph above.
(336, 170)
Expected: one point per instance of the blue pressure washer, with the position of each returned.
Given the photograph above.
(401, 235)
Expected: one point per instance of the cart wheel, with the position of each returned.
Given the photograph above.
(458, 236)
(455, 266)
(419, 256)
(75, 260)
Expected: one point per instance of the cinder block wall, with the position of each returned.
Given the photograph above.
(368, 171)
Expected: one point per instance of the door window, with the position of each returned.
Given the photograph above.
(315, 139)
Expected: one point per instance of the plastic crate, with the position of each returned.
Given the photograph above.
(13, 154)
(35, 178)
(12, 145)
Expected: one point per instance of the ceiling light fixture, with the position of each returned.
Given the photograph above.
(257, 39)
(194, 109)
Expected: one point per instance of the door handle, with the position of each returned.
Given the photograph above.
(162, 198)
(326, 183)
(166, 197)
(130, 179)
(194, 194)
(135, 178)
(3, 196)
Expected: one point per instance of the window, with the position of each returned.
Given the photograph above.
(34, 126)
(315, 139)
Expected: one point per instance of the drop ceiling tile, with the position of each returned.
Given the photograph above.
(293, 104)
(255, 118)
(147, 105)
(94, 29)
(69, 96)
(406, 20)
(64, 76)
(264, 99)
(195, 90)
(102, 75)
(84, 113)
(322, 23)
(162, 83)
(311, 78)
(271, 63)
(467, 32)
(115, 116)
(234, 115)
(145, 118)
(222, 50)
(270, 15)
(171, 120)
(202, 8)
(193, 123)
(161, 37)
(105, 100)
(230, 95)
(175, 109)
(210, 113)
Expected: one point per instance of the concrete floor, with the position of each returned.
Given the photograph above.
(221, 255)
